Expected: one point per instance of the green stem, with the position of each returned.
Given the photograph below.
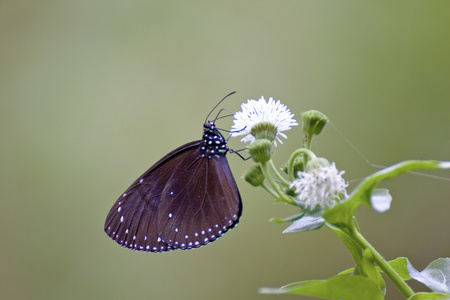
(382, 263)
(275, 171)
(308, 141)
(274, 185)
(308, 146)
(269, 190)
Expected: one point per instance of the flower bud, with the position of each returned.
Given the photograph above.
(313, 122)
(297, 166)
(261, 150)
(254, 175)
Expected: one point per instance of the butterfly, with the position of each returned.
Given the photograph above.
(187, 199)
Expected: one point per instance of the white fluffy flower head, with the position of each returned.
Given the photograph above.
(320, 187)
(263, 120)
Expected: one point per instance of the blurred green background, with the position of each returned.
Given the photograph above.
(94, 92)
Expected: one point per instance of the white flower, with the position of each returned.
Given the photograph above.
(322, 186)
(272, 118)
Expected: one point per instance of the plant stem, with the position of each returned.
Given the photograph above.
(308, 141)
(382, 263)
(275, 171)
(269, 190)
(274, 185)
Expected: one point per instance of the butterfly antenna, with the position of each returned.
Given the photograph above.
(218, 104)
(225, 116)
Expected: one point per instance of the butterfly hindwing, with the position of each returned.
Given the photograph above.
(200, 207)
(132, 221)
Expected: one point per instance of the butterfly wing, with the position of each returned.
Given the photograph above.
(187, 199)
(132, 221)
(201, 202)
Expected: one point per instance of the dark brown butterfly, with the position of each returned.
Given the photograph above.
(188, 199)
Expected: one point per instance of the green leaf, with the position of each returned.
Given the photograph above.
(428, 296)
(347, 272)
(339, 287)
(355, 250)
(400, 265)
(370, 271)
(288, 219)
(341, 215)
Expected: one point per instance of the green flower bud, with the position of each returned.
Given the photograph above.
(290, 191)
(298, 165)
(264, 130)
(254, 176)
(261, 150)
(313, 122)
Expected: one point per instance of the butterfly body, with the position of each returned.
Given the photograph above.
(187, 199)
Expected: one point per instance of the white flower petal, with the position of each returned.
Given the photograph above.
(259, 111)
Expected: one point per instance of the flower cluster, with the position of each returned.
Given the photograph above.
(318, 191)
(320, 187)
